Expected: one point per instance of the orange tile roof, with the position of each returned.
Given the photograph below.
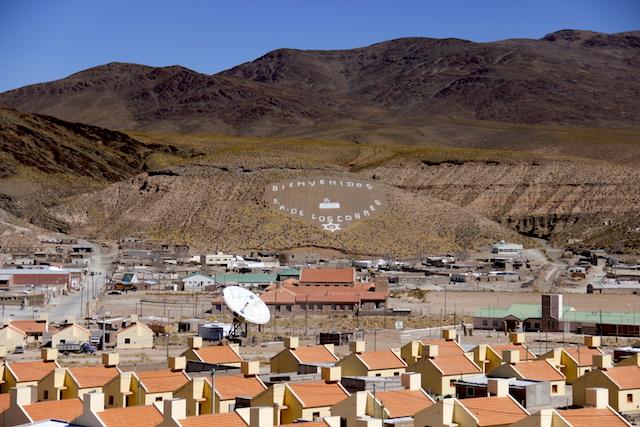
(524, 353)
(15, 329)
(230, 386)
(445, 348)
(93, 376)
(279, 296)
(31, 371)
(403, 403)
(314, 354)
(217, 354)
(63, 410)
(583, 355)
(539, 370)
(162, 381)
(318, 393)
(229, 419)
(30, 326)
(494, 411)
(592, 417)
(386, 359)
(327, 275)
(138, 416)
(626, 377)
(455, 365)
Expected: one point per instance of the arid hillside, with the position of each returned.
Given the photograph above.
(569, 77)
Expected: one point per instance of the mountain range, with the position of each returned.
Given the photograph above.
(474, 141)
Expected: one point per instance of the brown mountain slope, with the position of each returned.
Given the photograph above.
(569, 77)
(43, 159)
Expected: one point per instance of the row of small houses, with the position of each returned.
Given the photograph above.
(430, 382)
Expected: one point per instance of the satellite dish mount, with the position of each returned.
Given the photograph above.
(246, 308)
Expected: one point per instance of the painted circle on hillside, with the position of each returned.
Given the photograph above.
(331, 203)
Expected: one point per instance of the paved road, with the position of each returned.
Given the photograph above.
(70, 305)
(76, 303)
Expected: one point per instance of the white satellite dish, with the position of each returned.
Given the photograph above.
(246, 307)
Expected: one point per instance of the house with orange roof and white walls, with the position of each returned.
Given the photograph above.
(29, 373)
(447, 346)
(534, 370)
(294, 355)
(361, 363)
(489, 357)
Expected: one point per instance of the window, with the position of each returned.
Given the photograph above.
(495, 323)
(127, 340)
(554, 388)
(316, 415)
(378, 374)
(46, 395)
(111, 400)
(159, 399)
(199, 408)
(629, 398)
(395, 374)
(288, 307)
(471, 392)
(485, 322)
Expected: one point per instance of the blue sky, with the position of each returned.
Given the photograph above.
(50, 39)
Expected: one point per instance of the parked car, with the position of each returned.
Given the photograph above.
(115, 293)
(19, 350)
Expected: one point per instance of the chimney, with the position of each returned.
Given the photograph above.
(511, 356)
(261, 416)
(411, 380)
(110, 360)
(597, 398)
(177, 363)
(356, 346)
(133, 318)
(602, 361)
(331, 374)
(59, 375)
(291, 342)
(92, 402)
(332, 421)
(591, 341)
(21, 396)
(498, 387)
(195, 343)
(125, 381)
(516, 337)
(49, 354)
(449, 334)
(174, 410)
(368, 422)
(250, 369)
(430, 351)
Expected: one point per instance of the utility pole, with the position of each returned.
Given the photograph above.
(213, 390)
(306, 315)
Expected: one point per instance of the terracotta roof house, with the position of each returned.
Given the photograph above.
(574, 362)
(362, 363)
(23, 409)
(622, 383)
(294, 355)
(304, 400)
(18, 374)
(535, 370)
(499, 410)
(447, 346)
(34, 329)
(224, 355)
(394, 406)
(439, 372)
(12, 337)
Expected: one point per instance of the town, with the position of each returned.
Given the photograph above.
(506, 336)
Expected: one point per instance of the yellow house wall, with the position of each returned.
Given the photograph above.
(71, 333)
(284, 362)
(11, 339)
(149, 398)
(352, 366)
(411, 352)
(325, 411)
(628, 407)
(293, 409)
(48, 384)
(594, 379)
(9, 381)
(112, 388)
(195, 407)
(495, 361)
(386, 372)
(462, 417)
(141, 338)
